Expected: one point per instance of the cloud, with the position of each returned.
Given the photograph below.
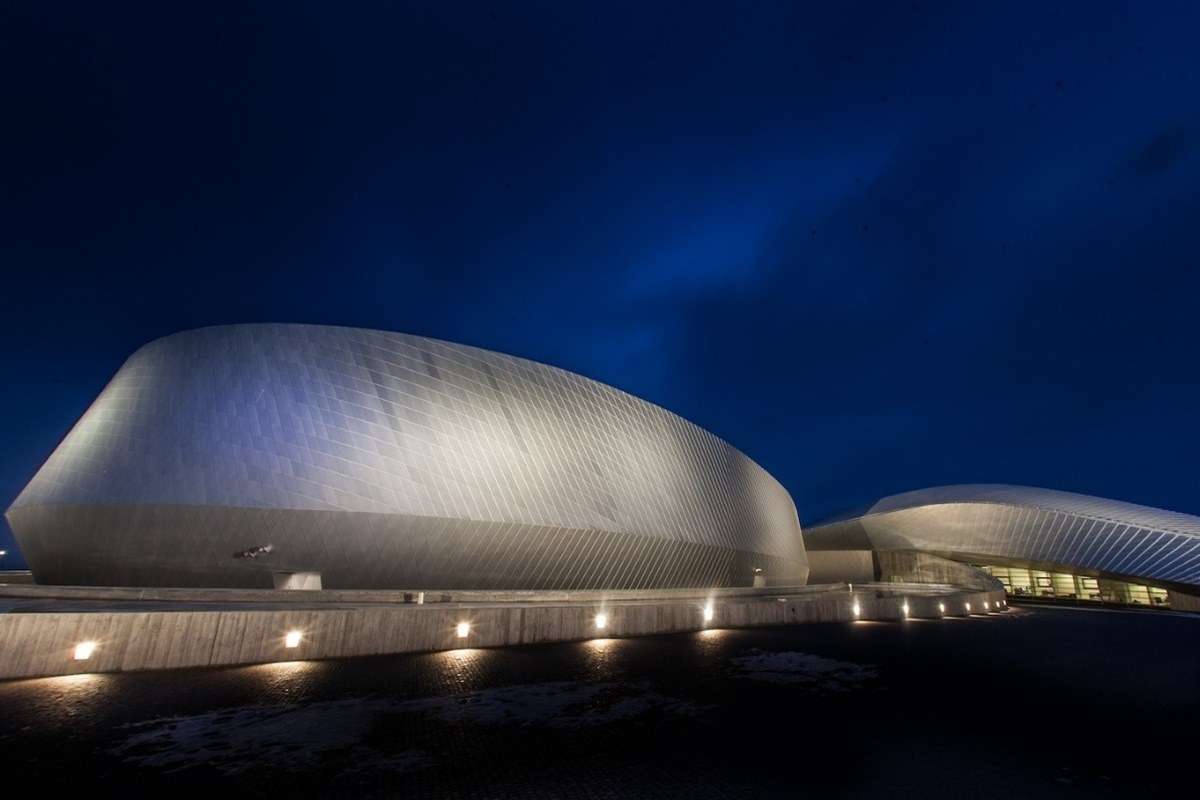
(1165, 151)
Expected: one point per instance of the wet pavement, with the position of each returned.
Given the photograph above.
(1037, 702)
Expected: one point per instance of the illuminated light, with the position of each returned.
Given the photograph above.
(601, 622)
(292, 639)
(708, 611)
(77, 686)
(464, 630)
(84, 650)
(904, 608)
(856, 608)
(285, 670)
(985, 605)
(941, 608)
(460, 657)
(968, 605)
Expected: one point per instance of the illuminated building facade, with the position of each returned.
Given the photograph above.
(1037, 542)
(231, 456)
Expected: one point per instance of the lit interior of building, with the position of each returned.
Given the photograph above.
(1022, 582)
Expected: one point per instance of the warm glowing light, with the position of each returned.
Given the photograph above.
(279, 673)
(968, 605)
(464, 630)
(941, 608)
(601, 621)
(708, 611)
(856, 608)
(985, 605)
(84, 650)
(292, 639)
(461, 657)
(80, 686)
(904, 608)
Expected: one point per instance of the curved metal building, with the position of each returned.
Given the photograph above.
(219, 456)
(997, 524)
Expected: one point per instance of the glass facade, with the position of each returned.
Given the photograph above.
(1021, 582)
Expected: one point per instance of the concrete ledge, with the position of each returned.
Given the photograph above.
(389, 596)
(41, 644)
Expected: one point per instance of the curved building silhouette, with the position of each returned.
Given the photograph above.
(225, 456)
(1018, 526)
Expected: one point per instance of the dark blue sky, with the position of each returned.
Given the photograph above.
(876, 246)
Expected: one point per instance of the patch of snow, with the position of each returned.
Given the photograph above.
(296, 736)
(812, 671)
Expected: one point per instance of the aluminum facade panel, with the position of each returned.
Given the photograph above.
(534, 476)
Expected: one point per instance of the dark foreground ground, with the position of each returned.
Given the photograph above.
(1039, 702)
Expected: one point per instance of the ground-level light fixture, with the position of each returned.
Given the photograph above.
(856, 609)
(464, 630)
(601, 621)
(904, 608)
(292, 639)
(708, 611)
(941, 608)
(985, 605)
(84, 650)
(968, 606)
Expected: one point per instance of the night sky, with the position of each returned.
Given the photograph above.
(875, 246)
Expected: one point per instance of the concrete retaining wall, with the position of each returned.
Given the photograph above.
(912, 566)
(840, 566)
(39, 644)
